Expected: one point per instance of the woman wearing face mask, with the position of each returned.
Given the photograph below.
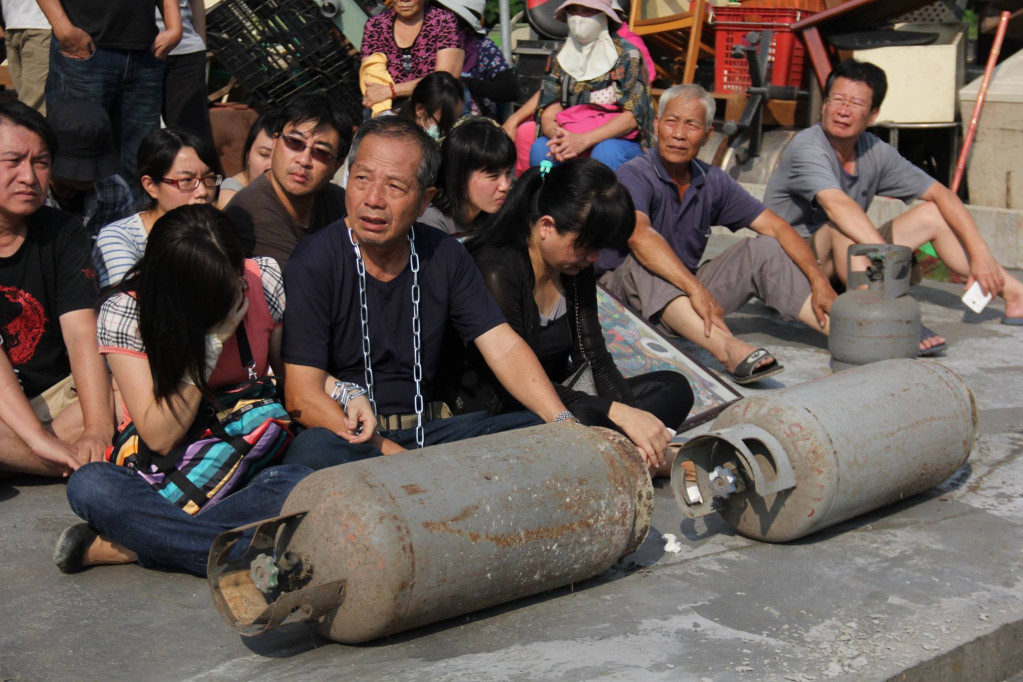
(537, 259)
(595, 99)
(435, 104)
(475, 176)
(175, 168)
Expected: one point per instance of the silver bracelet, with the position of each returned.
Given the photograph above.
(564, 417)
(344, 391)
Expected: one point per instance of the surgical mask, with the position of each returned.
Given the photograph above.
(586, 29)
(433, 130)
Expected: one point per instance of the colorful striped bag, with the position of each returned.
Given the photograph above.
(249, 432)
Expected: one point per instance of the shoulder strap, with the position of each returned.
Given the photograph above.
(245, 351)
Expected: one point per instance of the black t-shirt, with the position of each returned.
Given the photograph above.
(265, 226)
(115, 24)
(51, 274)
(322, 326)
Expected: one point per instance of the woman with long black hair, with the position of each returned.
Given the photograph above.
(537, 259)
(169, 334)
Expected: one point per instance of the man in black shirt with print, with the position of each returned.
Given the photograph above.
(56, 409)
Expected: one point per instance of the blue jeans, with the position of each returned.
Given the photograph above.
(612, 153)
(321, 448)
(119, 505)
(127, 83)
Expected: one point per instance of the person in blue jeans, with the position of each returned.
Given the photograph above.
(111, 52)
(595, 98)
(168, 347)
(371, 299)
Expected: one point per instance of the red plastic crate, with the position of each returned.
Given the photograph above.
(786, 54)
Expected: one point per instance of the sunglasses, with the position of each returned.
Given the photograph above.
(189, 184)
(298, 145)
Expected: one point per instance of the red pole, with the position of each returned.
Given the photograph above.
(1003, 24)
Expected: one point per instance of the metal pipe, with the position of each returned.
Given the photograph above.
(504, 7)
(992, 60)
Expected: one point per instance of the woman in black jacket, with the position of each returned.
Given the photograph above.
(537, 259)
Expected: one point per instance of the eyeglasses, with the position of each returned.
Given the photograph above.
(189, 184)
(853, 104)
(298, 145)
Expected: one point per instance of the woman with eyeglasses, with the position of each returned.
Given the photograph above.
(417, 39)
(175, 168)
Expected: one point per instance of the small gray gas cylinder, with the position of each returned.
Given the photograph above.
(880, 322)
(788, 463)
(371, 548)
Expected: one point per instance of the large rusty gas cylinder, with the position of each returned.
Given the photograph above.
(790, 462)
(375, 547)
(881, 322)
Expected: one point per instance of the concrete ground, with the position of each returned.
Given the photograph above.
(929, 589)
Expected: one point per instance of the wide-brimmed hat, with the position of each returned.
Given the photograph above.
(85, 141)
(608, 7)
(469, 10)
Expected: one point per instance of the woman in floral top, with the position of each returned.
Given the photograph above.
(593, 68)
(417, 40)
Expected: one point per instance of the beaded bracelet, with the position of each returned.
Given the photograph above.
(394, 95)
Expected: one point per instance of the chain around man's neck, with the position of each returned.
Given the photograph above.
(417, 367)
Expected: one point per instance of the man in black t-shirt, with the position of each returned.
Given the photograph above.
(56, 410)
(110, 52)
(295, 197)
(412, 290)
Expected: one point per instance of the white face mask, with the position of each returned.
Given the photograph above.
(433, 130)
(586, 29)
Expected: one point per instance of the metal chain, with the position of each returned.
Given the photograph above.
(417, 369)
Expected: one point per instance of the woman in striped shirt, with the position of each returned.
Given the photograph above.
(175, 168)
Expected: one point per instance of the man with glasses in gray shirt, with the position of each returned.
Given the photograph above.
(830, 173)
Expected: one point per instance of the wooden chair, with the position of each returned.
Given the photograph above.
(666, 30)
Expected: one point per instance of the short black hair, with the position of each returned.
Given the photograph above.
(266, 123)
(475, 144)
(16, 113)
(861, 72)
(159, 148)
(321, 110)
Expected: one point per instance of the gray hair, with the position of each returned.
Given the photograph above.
(688, 92)
(395, 128)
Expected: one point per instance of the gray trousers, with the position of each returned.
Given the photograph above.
(753, 267)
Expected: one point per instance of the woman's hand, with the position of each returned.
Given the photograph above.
(226, 329)
(375, 92)
(360, 422)
(566, 145)
(645, 430)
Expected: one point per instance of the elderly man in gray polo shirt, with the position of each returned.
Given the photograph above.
(678, 198)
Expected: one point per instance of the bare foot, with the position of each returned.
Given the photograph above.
(103, 551)
(931, 342)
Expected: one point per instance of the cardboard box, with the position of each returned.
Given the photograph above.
(922, 79)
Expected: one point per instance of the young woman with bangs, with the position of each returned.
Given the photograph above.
(476, 173)
(537, 259)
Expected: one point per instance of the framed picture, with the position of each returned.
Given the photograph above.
(638, 348)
